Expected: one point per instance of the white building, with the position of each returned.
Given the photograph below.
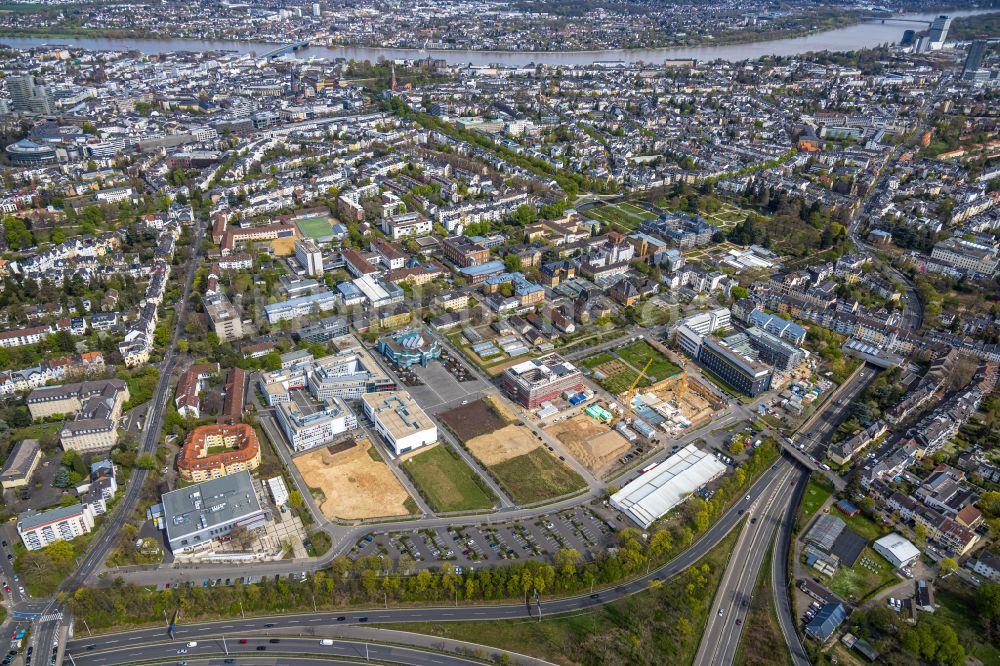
(38, 530)
(400, 421)
(322, 426)
(653, 494)
(310, 257)
(278, 490)
(896, 549)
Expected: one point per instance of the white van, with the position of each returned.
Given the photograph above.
(193, 644)
(326, 641)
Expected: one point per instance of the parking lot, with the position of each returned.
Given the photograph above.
(441, 387)
(39, 493)
(586, 529)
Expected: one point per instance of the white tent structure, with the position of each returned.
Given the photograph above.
(668, 484)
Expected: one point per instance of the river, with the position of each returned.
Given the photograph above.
(858, 36)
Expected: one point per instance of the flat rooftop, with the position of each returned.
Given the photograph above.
(398, 412)
(211, 503)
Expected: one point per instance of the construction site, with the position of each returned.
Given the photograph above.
(351, 481)
(603, 432)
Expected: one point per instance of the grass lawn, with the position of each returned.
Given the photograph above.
(956, 606)
(659, 626)
(639, 353)
(446, 481)
(864, 526)
(42, 431)
(813, 499)
(536, 476)
(762, 643)
(594, 361)
(858, 581)
(635, 210)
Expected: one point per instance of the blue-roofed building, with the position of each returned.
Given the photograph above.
(350, 294)
(826, 621)
(409, 346)
(478, 274)
(775, 325)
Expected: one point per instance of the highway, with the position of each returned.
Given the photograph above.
(780, 585)
(721, 635)
(774, 510)
(348, 652)
(296, 624)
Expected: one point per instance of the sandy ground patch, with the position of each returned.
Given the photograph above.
(594, 444)
(502, 445)
(283, 246)
(501, 407)
(355, 485)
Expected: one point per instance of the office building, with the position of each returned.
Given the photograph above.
(772, 349)
(324, 330)
(400, 421)
(21, 464)
(691, 331)
(410, 346)
(939, 31)
(212, 451)
(311, 426)
(294, 308)
(28, 96)
(775, 325)
(974, 60)
(316, 11)
(40, 529)
(739, 371)
(533, 382)
(705, 323)
(225, 318)
(346, 374)
(197, 517)
(310, 257)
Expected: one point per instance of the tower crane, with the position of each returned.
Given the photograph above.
(631, 389)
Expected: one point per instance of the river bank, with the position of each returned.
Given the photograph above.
(849, 38)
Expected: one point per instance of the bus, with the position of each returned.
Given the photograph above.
(649, 467)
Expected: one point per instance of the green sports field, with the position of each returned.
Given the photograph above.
(315, 227)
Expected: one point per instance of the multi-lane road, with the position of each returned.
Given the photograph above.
(264, 651)
(110, 646)
(721, 636)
